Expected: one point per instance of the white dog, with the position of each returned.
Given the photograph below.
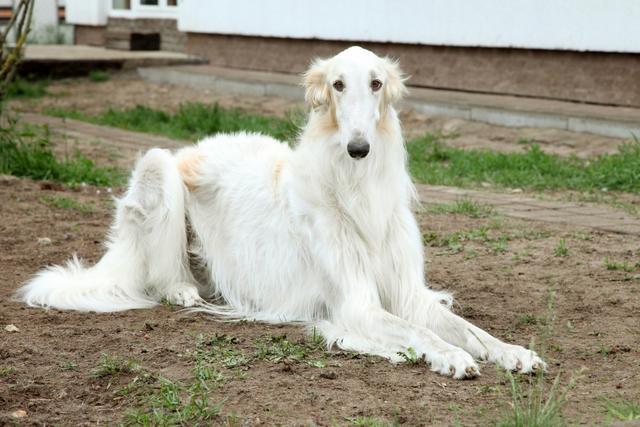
(322, 234)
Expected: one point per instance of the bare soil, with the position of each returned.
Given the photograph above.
(578, 312)
(127, 89)
(592, 322)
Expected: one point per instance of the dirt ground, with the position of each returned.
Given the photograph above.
(126, 89)
(507, 276)
(592, 322)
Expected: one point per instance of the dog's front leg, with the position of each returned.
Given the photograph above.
(357, 320)
(407, 296)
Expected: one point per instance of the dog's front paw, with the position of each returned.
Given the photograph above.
(456, 363)
(186, 296)
(518, 359)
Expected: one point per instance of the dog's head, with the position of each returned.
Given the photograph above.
(356, 87)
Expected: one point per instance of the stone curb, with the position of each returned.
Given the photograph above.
(510, 111)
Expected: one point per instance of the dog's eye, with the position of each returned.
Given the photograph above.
(338, 85)
(376, 85)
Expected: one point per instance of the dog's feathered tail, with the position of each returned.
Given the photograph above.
(146, 250)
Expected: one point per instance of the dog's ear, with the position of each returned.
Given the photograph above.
(315, 83)
(394, 88)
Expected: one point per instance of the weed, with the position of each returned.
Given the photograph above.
(625, 266)
(410, 356)
(561, 249)
(99, 75)
(604, 350)
(192, 121)
(6, 371)
(279, 349)
(537, 405)
(527, 319)
(623, 410)
(369, 422)
(467, 207)
(67, 203)
(28, 152)
(68, 365)
(113, 365)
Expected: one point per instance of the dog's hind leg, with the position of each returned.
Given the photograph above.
(146, 258)
(154, 208)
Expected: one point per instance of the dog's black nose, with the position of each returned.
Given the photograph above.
(358, 148)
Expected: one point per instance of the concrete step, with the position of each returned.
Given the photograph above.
(511, 111)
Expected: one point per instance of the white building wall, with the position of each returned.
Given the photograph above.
(582, 25)
(87, 12)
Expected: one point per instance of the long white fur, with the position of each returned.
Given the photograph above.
(308, 234)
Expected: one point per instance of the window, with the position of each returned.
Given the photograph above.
(121, 4)
(148, 2)
(172, 2)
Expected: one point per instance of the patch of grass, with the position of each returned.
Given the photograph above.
(6, 371)
(28, 152)
(68, 365)
(536, 405)
(220, 349)
(192, 121)
(278, 349)
(67, 203)
(624, 265)
(370, 422)
(623, 410)
(561, 249)
(466, 207)
(434, 163)
(528, 319)
(99, 76)
(113, 365)
(23, 88)
(172, 403)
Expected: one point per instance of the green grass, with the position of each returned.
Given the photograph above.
(624, 265)
(534, 404)
(22, 88)
(434, 163)
(28, 152)
(561, 249)
(67, 203)
(623, 410)
(113, 365)
(465, 207)
(192, 121)
(99, 76)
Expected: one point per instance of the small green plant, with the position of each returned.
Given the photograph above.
(99, 76)
(68, 365)
(604, 350)
(466, 207)
(537, 405)
(278, 349)
(623, 410)
(370, 422)
(410, 356)
(527, 319)
(6, 371)
(624, 265)
(67, 203)
(561, 249)
(113, 365)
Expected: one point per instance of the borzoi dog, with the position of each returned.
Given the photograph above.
(322, 234)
